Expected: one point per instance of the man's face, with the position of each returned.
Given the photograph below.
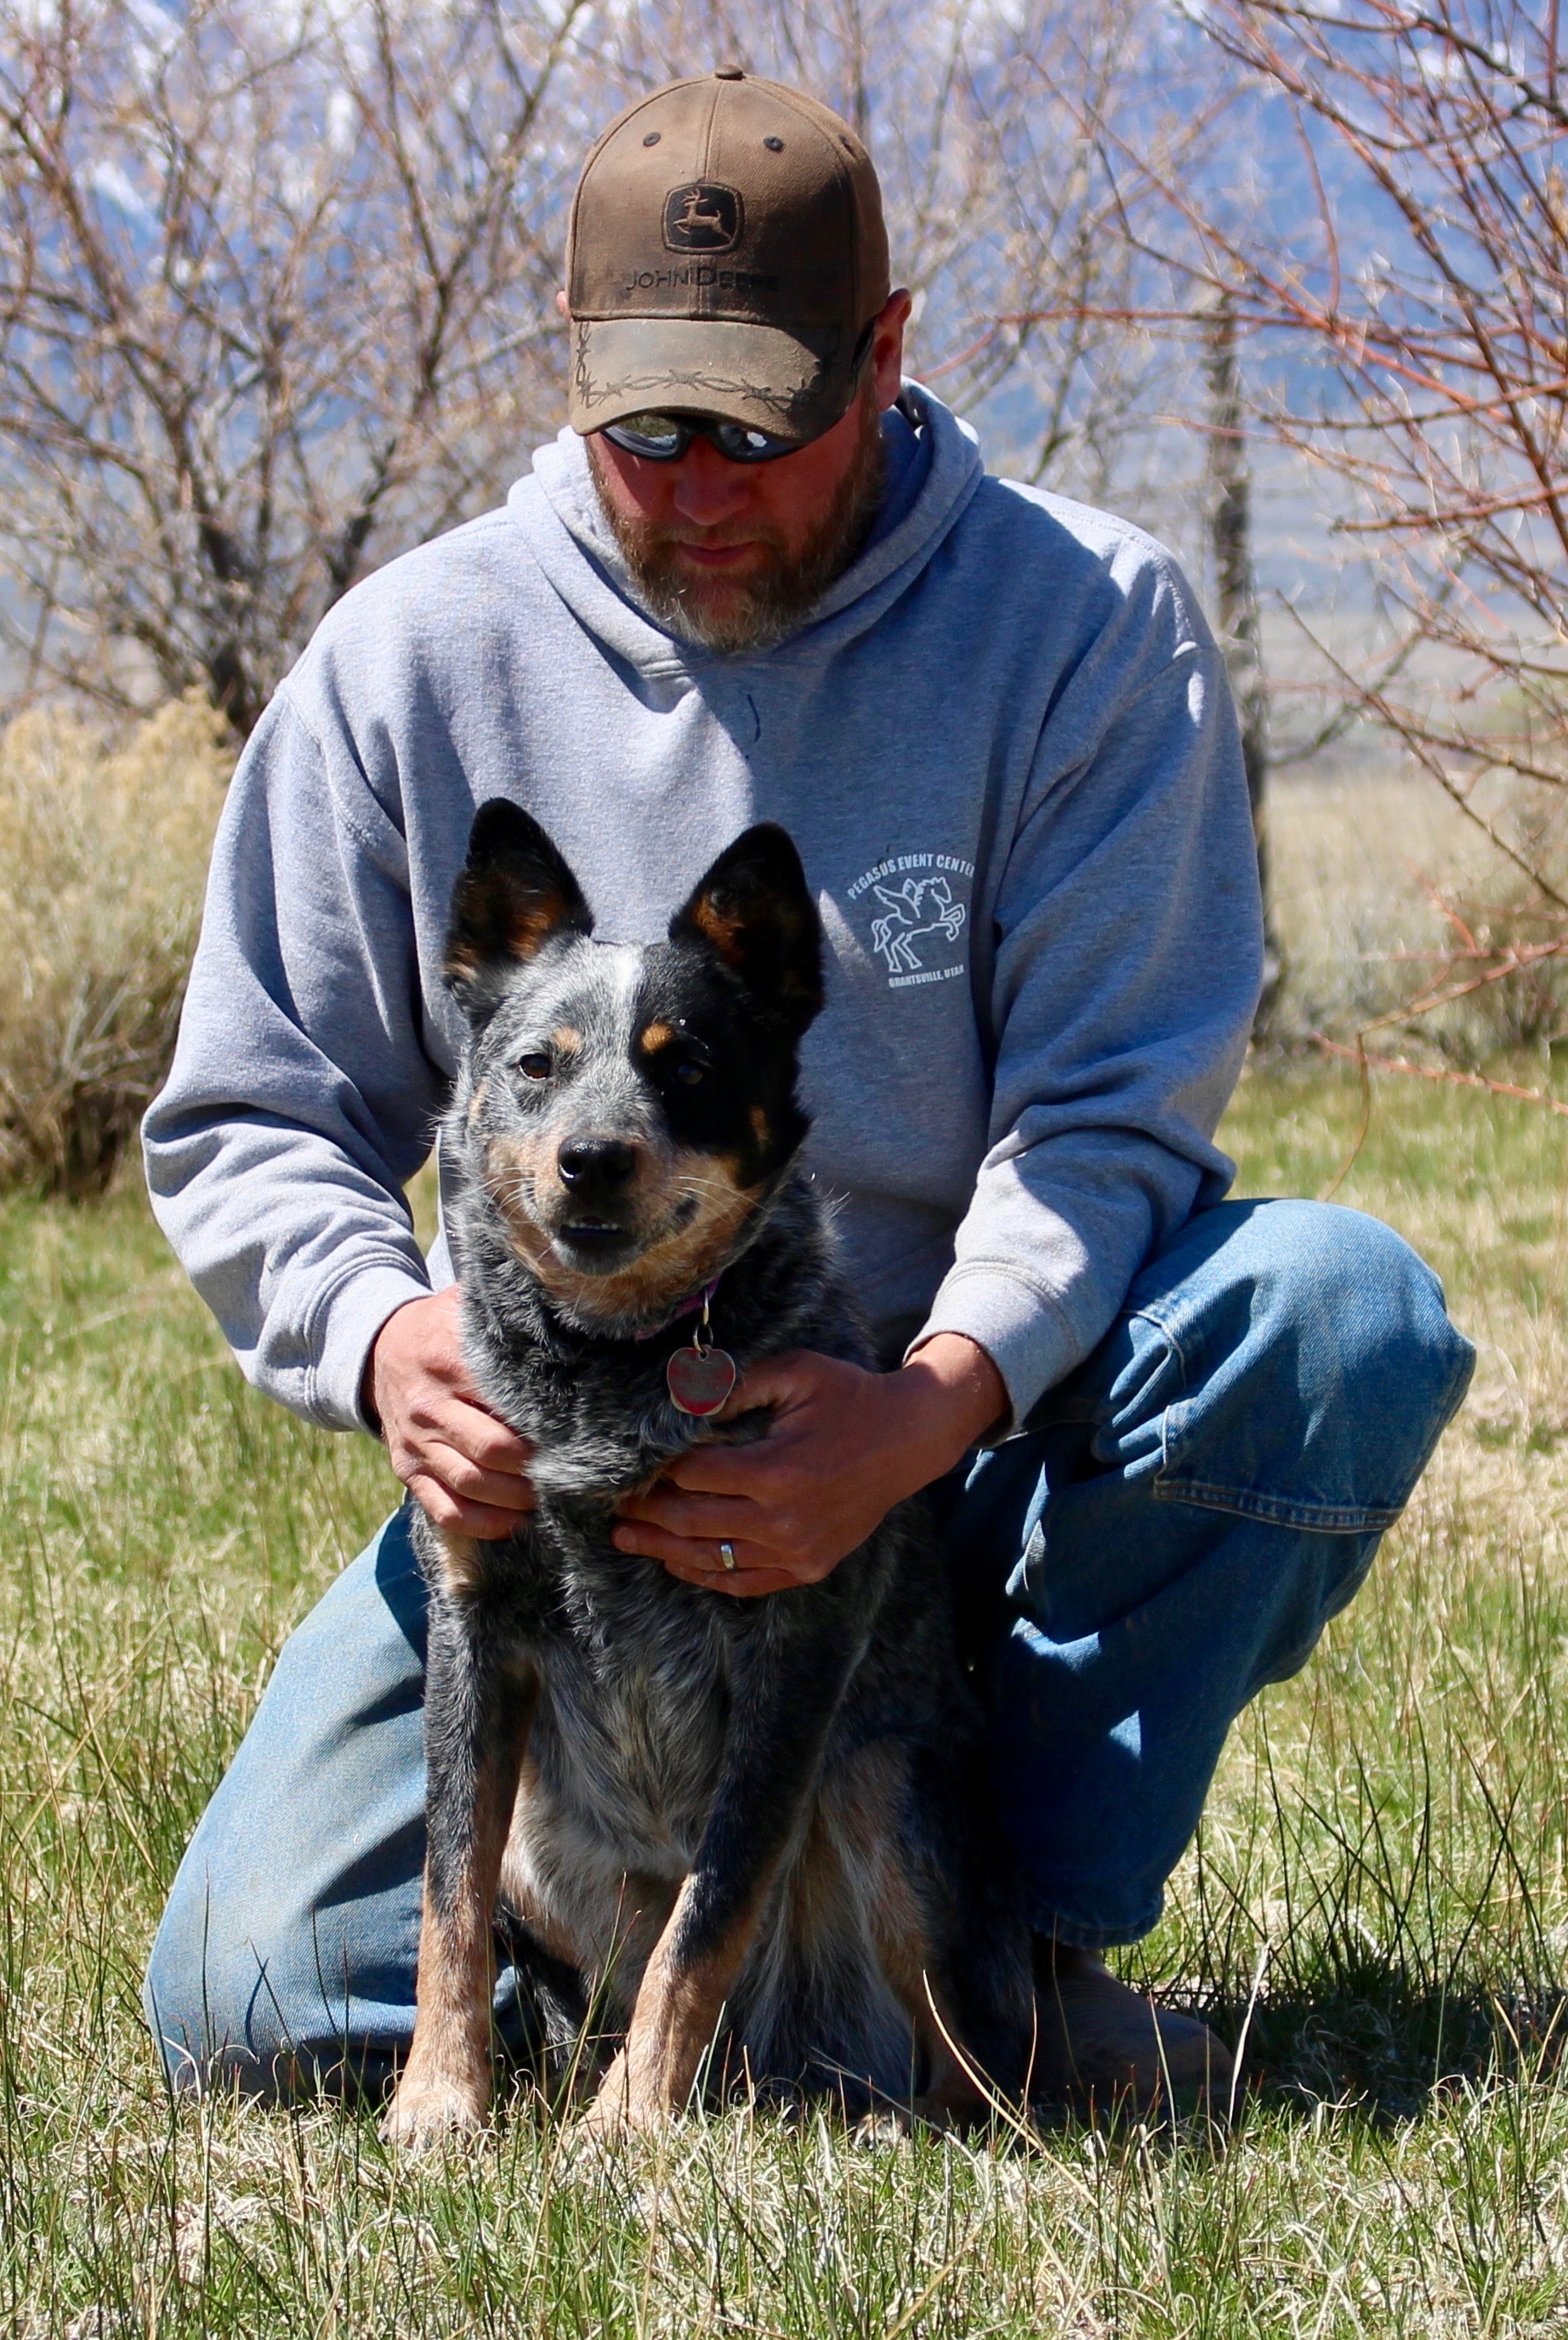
(734, 555)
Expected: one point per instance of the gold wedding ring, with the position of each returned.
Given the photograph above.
(726, 1555)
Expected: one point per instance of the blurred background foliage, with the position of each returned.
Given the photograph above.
(1289, 286)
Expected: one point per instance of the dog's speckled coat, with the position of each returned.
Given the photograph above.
(760, 1819)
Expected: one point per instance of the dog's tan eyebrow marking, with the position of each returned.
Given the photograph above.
(760, 1130)
(655, 1037)
(566, 1037)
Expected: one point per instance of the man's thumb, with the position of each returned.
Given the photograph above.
(778, 1383)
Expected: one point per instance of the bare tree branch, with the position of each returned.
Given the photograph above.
(273, 298)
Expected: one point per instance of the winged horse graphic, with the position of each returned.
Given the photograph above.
(921, 906)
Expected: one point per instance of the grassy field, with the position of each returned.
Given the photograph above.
(1378, 1899)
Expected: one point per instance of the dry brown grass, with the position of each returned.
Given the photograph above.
(103, 852)
(1380, 879)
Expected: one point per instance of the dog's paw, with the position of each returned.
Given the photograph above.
(946, 2113)
(620, 2110)
(429, 2111)
(890, 2125)
(607, 2118)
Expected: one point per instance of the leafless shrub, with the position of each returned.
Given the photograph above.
(1442, 432)
(1496, 981)
(277, 285)
(1418, 277)
(276, 291)
(103, 852)
(1448, 419)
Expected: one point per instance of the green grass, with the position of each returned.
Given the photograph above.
(1378, 1898)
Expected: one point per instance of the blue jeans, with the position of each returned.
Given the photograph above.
(1172, 1530)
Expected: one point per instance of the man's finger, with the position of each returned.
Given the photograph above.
(486, 1522)
(478, 1436)
(783, 1380)
(739, 1584)
(701, 1553)
(705, 1516)
(506, 1491)
(701, 1561)
(747, 1470)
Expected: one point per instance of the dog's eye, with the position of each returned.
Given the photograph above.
(537, 1065)
(688, 1072)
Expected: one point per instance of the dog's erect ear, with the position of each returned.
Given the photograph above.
(513, 893)
(754, 910)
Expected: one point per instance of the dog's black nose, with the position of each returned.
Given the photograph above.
(596, 1162)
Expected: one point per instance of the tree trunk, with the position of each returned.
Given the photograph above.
(1236, 606)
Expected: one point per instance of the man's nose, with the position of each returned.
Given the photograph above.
(708, 489)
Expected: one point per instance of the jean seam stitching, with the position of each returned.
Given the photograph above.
(1172, 1339)
(1326, 1519)
(1281, 1511)
(1158, 1313)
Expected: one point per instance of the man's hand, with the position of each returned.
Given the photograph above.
(468, 1470)
(844, 1446)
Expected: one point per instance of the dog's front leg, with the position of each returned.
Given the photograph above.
(476, 1723)
(784, 1706)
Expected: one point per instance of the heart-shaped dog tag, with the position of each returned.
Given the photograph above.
(701, 1379)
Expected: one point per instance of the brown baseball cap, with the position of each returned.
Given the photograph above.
(727, 251)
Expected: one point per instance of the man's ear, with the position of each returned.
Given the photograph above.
(754, 910)
(513, 894)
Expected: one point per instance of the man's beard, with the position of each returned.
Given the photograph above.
(732, 614)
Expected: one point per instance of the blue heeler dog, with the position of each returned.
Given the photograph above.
(751, 1833)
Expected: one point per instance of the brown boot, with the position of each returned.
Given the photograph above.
(1105, 2049)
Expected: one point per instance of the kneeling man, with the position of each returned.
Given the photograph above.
(764, 577)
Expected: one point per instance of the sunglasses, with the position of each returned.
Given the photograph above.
(665, 438)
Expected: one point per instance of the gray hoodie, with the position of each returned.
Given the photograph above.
(1007, 752)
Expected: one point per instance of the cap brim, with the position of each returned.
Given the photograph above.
(792, 381)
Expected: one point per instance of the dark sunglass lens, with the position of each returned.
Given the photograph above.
(656, 437)
(743, 445)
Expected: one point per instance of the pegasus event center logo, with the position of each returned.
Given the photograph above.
(916, 915)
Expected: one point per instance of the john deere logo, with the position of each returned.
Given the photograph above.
(701, 218)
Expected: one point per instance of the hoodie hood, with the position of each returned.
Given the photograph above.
(935, 469)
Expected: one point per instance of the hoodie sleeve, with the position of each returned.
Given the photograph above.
(302, 1098)
(1127, 955)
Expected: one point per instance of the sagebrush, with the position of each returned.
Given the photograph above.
(103, 852)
